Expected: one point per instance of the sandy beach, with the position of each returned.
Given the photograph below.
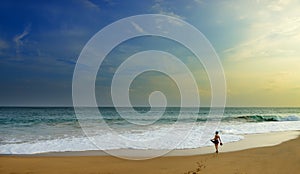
(273, 158)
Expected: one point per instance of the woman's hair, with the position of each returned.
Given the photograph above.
(217, 132)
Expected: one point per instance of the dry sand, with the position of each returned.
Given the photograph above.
(282, 158)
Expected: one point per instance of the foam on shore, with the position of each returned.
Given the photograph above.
(249, 141)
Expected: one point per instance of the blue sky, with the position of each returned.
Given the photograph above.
(257, 42)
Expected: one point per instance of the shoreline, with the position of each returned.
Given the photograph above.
(250, 141)
(280, 158)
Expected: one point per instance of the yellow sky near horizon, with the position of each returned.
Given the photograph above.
(264, 69)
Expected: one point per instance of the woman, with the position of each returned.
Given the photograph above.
(216, 141)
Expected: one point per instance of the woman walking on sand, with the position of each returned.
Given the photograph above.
(216, 141)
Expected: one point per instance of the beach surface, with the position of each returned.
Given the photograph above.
(280, 153)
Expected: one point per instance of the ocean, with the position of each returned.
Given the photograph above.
(31, 130)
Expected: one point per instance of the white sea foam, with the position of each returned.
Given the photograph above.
(230, 132)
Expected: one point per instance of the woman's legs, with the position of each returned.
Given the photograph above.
(216, 146)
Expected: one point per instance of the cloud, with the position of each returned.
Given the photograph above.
(137, 27)
(199, 1)
(269, 33)
(18, 39)
(90, 4)
(158, 8)
(278, 5)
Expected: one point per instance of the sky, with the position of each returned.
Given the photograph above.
(257, 42)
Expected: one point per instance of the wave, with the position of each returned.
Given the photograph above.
(263, 118)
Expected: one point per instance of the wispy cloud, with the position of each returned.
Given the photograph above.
(199, 1)
(137, 27)
(270, 34)
(278, 5)
(158, 8)
(18, 39)
(90, 4)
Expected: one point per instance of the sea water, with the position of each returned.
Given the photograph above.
(30, 130)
